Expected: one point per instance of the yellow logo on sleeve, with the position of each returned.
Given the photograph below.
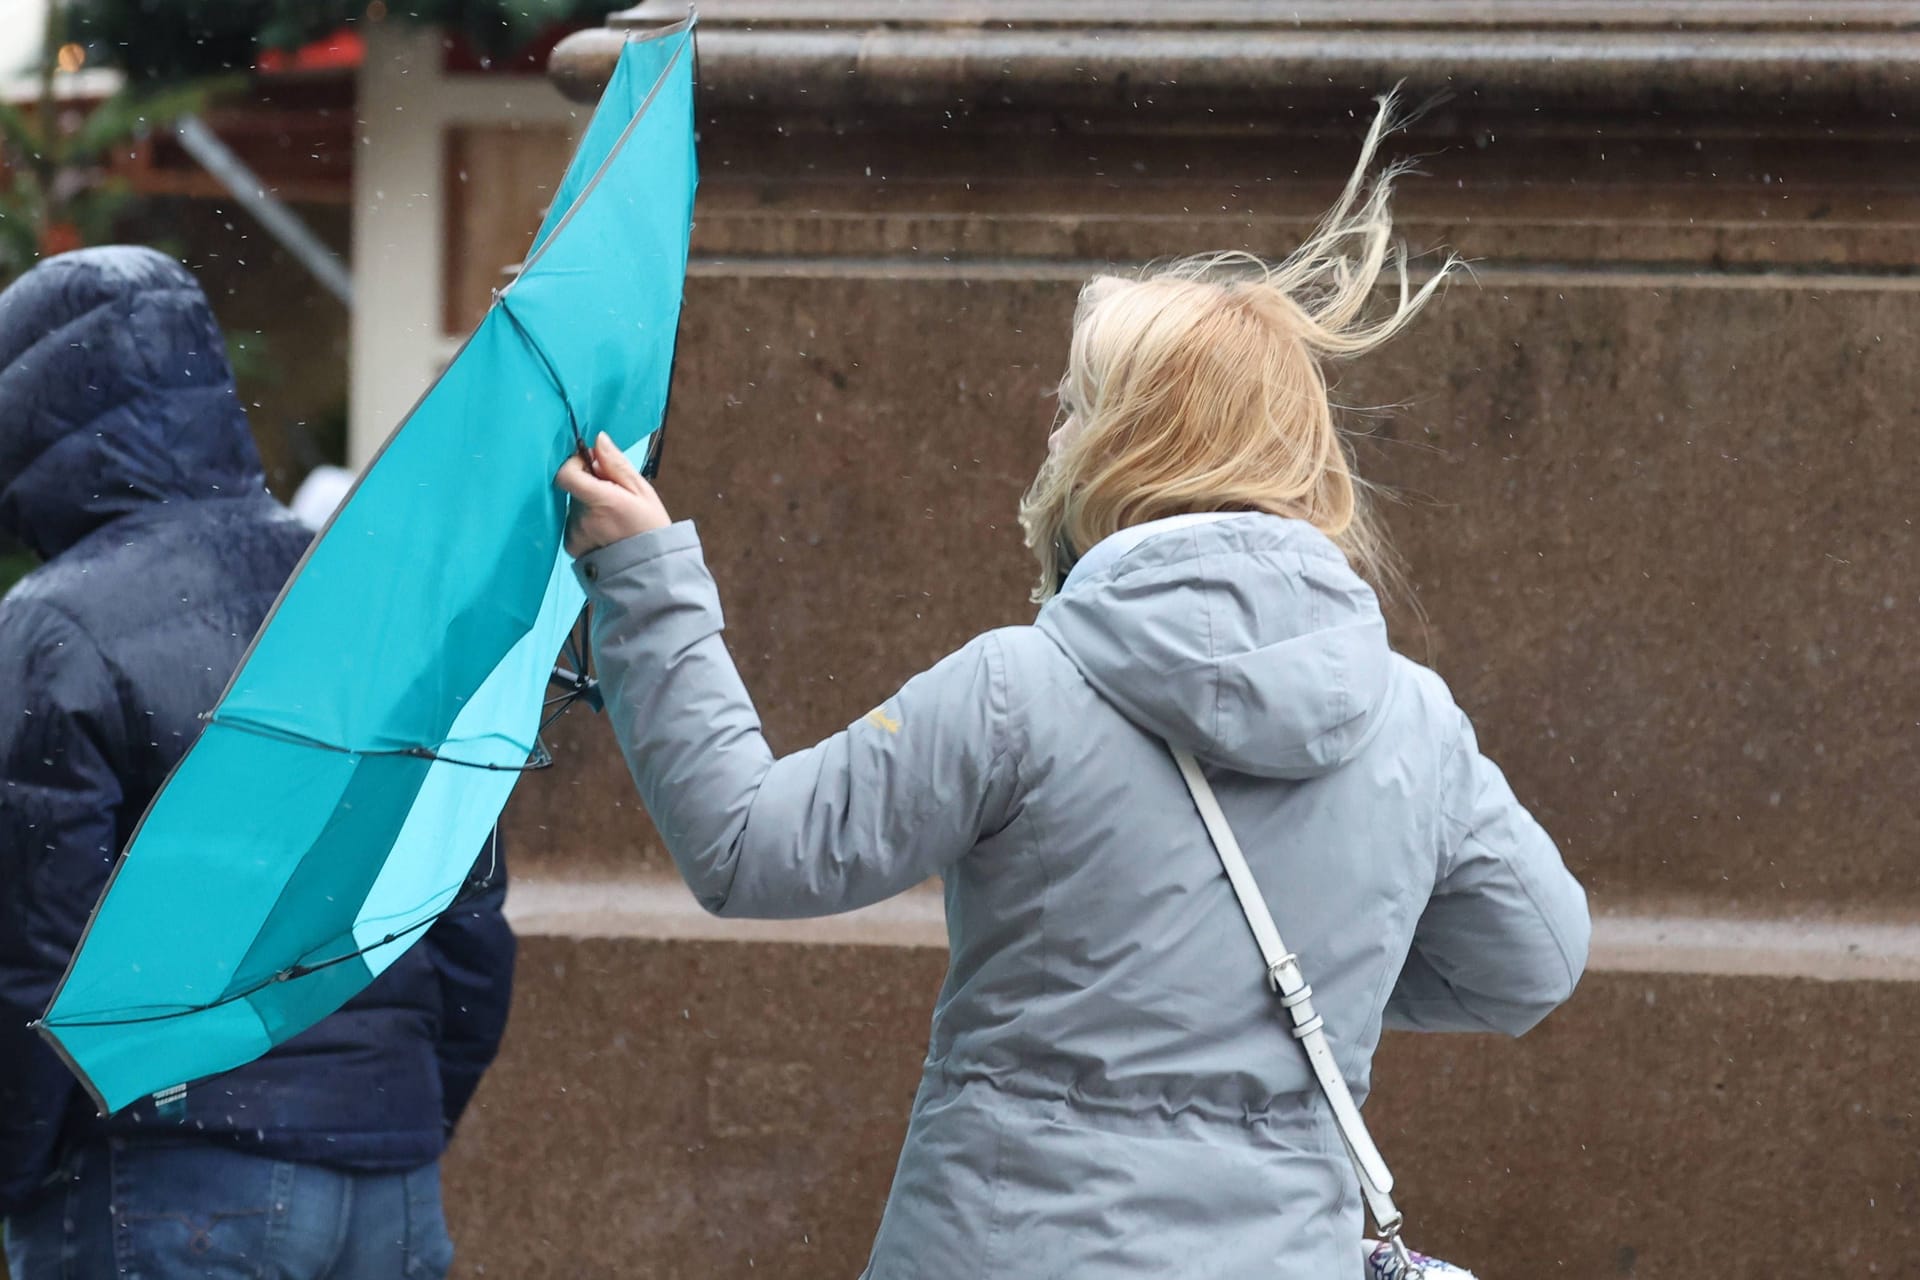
(878, 716)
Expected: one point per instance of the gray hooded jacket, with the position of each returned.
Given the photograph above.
(1109, 1092)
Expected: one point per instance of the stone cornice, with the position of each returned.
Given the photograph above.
(1760, 59)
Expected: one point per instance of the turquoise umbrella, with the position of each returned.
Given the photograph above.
(331, 808)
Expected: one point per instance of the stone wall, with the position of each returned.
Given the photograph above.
(1655, 480)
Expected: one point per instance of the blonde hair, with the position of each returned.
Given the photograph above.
(1198, 386)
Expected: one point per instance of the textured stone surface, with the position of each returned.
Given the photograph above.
(688, 1110)
(1664, 534)
(1667, 1126)
(693, 1109)
(1573, 194)
(1661, 528)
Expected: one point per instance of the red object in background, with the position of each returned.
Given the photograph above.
(342, 51)
(59, 237)
(346, 49)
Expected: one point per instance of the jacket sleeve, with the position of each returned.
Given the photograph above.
(473, 953)
(1503, 940)
(59, 834)
(866, 814)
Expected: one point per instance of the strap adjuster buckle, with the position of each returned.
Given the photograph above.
(1287, 961)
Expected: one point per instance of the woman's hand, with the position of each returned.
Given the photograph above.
(610, 502)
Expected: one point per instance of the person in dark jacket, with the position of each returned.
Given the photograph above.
(126, 465)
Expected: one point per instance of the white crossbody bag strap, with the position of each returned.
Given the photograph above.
(1285, 978)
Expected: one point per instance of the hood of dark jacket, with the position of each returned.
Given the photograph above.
(115, 394)
(1247, 640)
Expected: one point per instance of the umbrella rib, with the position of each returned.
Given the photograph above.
(578, 685)
(539, 757)
(468, 892)
(546, 362)
(284, 975)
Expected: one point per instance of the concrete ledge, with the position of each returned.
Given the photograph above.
(661, 907)
(1826, 946)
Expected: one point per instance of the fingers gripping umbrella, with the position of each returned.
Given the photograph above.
(330, 810)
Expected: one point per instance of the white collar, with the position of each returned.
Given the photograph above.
(1115, 545)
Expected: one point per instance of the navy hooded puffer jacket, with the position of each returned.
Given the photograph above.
(126, 464)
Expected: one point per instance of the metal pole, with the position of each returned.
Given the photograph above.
(281, 222)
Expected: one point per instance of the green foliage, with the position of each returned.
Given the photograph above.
(60, 189)
(175, 39)
(59, 193)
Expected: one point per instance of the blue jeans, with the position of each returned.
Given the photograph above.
(163, 1211)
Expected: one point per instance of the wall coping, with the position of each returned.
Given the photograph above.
(1755, 59)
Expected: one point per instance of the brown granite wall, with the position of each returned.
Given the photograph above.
(683, 1110)
(1655, 473)
(1660, 529)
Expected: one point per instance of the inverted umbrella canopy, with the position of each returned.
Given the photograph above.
(332, 807)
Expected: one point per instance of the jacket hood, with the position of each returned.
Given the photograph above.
(115, 394)
(1247, 640)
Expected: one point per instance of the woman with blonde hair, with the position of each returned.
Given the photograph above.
(1108, 1092)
